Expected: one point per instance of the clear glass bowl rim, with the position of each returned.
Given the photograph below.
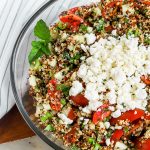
(12, 77)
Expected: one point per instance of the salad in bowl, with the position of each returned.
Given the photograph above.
(90, 76)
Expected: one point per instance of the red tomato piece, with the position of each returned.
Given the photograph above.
(70, 18)
(145, 2)
(79, 100)
(96, 117)
(56, 106)
(105, 115)
(145, 79)
(72, 115)
(100, 116)
(147, 116)
(109, 29)
(130, 115)
(134, 128)
(143, 144)
(73, 10)
(71, 135)
(117, 135)
(53, 81)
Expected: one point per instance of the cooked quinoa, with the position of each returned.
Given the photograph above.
(90, 76)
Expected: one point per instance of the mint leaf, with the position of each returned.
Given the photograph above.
(41, 45)
(34, 54)
(64, 88)
(42, 31)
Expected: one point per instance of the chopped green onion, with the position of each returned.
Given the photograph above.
(49, 128)
(83, 28)
(64, 88)
(147, 40)
(47, 116)
(63, 101)
(126, 129)
(61, 25)
(66, 55)
(97, 146)
(132, 32)
(43, 119)
(91, 140)
(100, 25)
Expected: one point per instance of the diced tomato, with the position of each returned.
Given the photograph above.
(73, 10)
(71, 114)
(143, 144)
(130, 115)
(134, 128)
(70, 137)
(108, 29)
(70, 18)
(147, 116)
(53, 81)
(56, 106)
(117, 135)
(100, 116)
(145, 79)
(96, 117)
(79, 100)
(145, 2)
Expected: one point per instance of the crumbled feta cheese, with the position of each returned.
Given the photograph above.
(59, 75)
(76, 88)
(90, 38)
(46, 106)
(79, 38)
(85, 121)
(107, 125)
(108, 142)
(116, 114)
(115, 65)
(32, 80)
(120, 146)
(65, 119)
(53, 63)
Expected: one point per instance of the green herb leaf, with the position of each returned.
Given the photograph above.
(63, 101)
(147, 40)
(91, 141)
(42, 31)
(100, 25)
(97, 146)
(83, 28)
(64, 88)
(49, 128)
(34, 54)
(126, 129)
(41, 45)
(133, 32)
(61, 25)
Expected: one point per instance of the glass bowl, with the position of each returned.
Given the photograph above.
(49, 12)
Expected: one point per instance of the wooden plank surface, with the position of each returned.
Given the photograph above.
(13, 127)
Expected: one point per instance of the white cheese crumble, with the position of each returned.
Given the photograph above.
(90, 38)
(65, 119)
(32, 80)
(53, 63)
(76, 88)
(59, 75)
(115, 65)
(120, 146)
(108, 142)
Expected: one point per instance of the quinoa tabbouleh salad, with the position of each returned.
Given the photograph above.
(90, 76)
